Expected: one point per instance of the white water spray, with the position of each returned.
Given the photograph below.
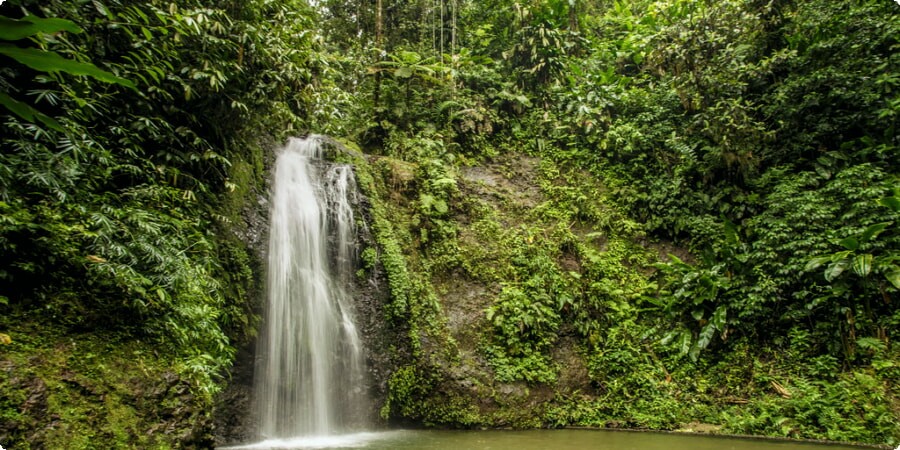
(309, 382)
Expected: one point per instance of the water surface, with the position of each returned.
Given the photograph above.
(534, 440)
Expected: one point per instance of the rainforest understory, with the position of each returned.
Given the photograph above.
(646, 214)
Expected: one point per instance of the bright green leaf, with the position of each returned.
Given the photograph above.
(669, 337)
(817, 262)
(862, 264)
(836, 269)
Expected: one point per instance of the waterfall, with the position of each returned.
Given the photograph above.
(309, 380)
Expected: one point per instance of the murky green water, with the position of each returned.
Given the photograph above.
(533, 440)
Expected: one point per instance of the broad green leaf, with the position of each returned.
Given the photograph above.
(817, 262)
(894, 277)
(706, 335)
(873, 231)
(685, 341)
(13, 29)
(718, 318)
(51, 62)
(891, 202)
(862, 264)
(850, 243)
(836, 269)
(28, 113)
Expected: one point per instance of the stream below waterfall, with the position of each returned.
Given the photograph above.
(535, 440)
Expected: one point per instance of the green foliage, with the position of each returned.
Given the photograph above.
(55, 383)
(851, 409)
(538, 54)
(698, 293)
(111, 226)
(540, 155)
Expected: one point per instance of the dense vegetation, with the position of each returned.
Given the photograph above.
(589, 212)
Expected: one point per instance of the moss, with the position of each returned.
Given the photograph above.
(92, 391)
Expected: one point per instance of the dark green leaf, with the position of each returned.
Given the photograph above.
(51, 62)
(850, 243)
(731, 233)
(28, 113)
(891, 202)
(13, 30)
(873, 231)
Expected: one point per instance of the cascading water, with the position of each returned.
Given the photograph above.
(310, 378)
